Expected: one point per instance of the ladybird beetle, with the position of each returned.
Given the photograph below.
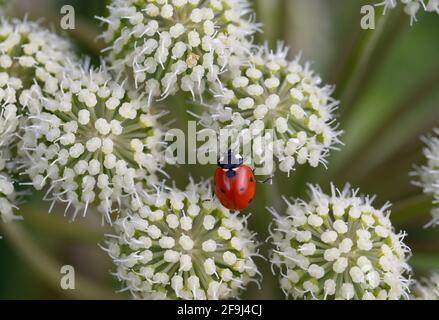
(234, 183)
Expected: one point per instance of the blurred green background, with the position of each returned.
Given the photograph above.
(388, 83)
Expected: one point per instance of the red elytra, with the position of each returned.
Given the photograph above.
(234, 184)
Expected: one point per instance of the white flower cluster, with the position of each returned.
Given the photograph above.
(412, 7)
(280, 102)
(428, 174)
(9, 123)
(8, 196)
(85, 136)
(427, 288)
(182, 245)
(168, 45)
(28, 54)
(92, 140)
(32, 53)
(338, 247)
(9, 116)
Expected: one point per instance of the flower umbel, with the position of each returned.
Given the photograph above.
(29, 54)
(182, 245)
(412, 7)
(32, 53)
(271, 92)
(338, 246)
(92, 141)
(428, 174)
(8, 196)
(164, 46)
(9, 123)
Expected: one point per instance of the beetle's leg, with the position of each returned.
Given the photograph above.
(269, 179)
(212, 197)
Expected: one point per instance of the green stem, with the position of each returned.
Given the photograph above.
(423, 91)
(58, 226)
(284, 18)
(49, 269)
(359, 58)
(425, 262)
(365, 58)
(415, 208)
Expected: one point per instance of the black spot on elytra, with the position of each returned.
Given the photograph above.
(241, 189)
(251, 179)
(223, 191)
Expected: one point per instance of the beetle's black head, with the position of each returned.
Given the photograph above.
(230, 160)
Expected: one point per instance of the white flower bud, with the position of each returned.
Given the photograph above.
(428, 174)
(195, 264)
(314, 252)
